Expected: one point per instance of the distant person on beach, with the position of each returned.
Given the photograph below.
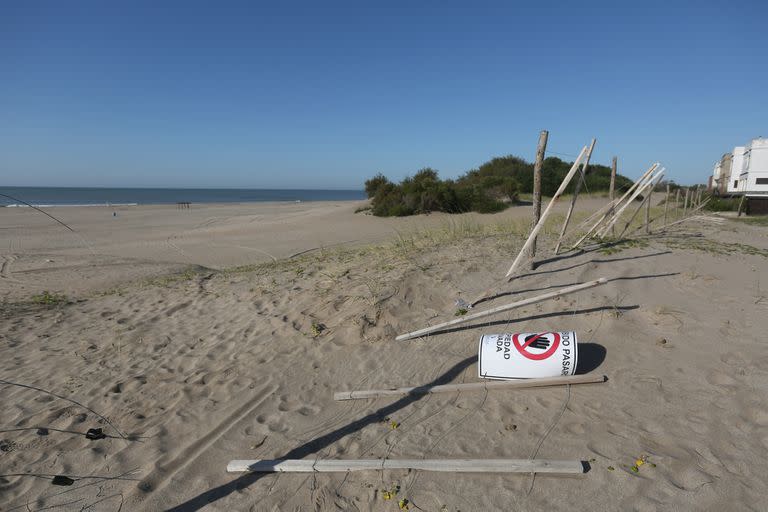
(114, 214)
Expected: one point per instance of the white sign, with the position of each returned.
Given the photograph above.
(527, 355)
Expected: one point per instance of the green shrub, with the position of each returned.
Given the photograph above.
(372, 185)
(490, 188)
(722, 204)
(49, 299)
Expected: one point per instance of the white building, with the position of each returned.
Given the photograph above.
(737, 166)
(753, 179)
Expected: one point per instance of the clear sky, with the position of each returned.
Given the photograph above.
(325, 94)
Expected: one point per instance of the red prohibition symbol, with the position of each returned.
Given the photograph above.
(524, 350)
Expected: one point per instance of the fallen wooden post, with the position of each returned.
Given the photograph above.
(473, 386)
(576, 190)
(525, 466)
(614, 205)
(525, 302)
(543, 219)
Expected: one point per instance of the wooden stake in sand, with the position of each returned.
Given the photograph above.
(543, 219)
(648, 212)
(540, 150)
(612, 207)
(474, 386)
(666, 205)
(525, 302)
(743, 195)
(612, 185)
(685, 206)
(526, 466)
(576, 190)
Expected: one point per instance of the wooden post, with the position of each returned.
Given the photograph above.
(612, 185)
(525, 302)
(743, 195)
(648, 211)
(576, 190)
(547, 211)
(685, 205)
(540, 150)
(316, 465)
(613, 206)
(473, 386)
(666, 205)
(677, 203)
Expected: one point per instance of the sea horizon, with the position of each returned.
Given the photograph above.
(134, 196)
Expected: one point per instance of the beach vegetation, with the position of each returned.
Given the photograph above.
(721, 204)
(492, 187)
(49, 299)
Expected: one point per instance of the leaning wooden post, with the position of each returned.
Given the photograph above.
(612, 185)
(604, 231)
(666, 205)
(501, 309)
(540, 150)
(648, 211)
(615, 204)
(576, 190)
(648, 186)
(543, 219)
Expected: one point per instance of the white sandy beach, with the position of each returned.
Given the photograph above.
(195, 369)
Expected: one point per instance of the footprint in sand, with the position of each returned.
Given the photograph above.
(690, 479)
(273, 422)
(718, 378)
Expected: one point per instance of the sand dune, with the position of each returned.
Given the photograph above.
(213, 365)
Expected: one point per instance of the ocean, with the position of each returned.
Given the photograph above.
(55, 196)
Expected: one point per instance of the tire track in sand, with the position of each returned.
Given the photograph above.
(166, 469)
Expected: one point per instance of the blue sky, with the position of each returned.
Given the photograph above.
(325, 94)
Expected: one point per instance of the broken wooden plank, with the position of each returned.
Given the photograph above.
(472, 386)
(506, 307)
(526, 466)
